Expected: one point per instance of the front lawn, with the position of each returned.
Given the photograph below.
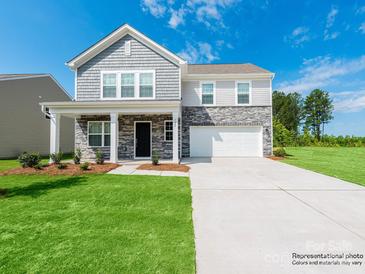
(96, 224)
(346, 163)
(8, 164)
(13, 163)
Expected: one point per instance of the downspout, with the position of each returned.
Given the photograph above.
(45, 112)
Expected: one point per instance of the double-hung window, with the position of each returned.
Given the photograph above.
(146, 85)
(109, 85)
(243, 93)
(168, 130)
(207, 93)
(127, 85)
(99, 134)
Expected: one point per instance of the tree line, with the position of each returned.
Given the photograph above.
(299, 121)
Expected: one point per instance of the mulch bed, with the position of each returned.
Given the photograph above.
(275, 158)
(164, 167)
(71, 169)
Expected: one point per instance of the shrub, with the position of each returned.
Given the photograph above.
(99, 157)
(29, 159)
(155, 157)
(39, 166)
(61, 166)
(280, 152)
(84, 166)
(56, 157)
(77, 156)
(282, 136)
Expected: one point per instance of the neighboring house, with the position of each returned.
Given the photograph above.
(23, 127)
(134, 96)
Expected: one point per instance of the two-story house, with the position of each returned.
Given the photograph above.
(133, 97)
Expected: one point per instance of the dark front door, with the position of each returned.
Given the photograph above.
(143, 139)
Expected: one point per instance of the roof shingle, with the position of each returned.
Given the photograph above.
(225, 69)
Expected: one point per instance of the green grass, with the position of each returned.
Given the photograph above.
(341, 162)
(96, 224)
(8, 164)
(13, 163)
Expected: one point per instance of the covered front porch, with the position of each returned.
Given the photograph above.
(121, 130)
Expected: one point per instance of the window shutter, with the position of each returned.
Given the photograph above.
(127, 48)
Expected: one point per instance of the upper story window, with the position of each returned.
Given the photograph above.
(207, 93)
(124, 85)
(99, 134)
(109, 85)
(146, 85)
(243, 93)
(127, 85)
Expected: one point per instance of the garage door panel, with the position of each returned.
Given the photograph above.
(225, 141)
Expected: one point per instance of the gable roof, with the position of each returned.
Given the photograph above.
(225, 69)
(113, 37)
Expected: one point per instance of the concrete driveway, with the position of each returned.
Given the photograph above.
(251, 214)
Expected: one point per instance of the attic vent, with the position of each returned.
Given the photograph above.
(127, 48)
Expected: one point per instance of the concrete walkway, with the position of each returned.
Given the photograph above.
(131, 169)
(251, 214)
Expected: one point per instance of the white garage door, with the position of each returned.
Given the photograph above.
(225, 141)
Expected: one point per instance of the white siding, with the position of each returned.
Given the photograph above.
(226, 93)
(261, 94)
(190, 93)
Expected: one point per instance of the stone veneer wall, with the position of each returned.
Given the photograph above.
(227, 116)
(88, 153)
(126, 136)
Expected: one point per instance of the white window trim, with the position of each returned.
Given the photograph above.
(136, 84)
(249, 82)
(102, 85)
(102, 133)
(172, 130)
(214, 92)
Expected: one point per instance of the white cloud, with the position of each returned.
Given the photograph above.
(155, 7)
(177, 18)
(360, 10)
(331, 16)
(330, 36)
(362, 28)
(221, 43)
(230, 46)
(322, 71)
(349, 101)
(298, 36)
(208, 12)
(200, 52)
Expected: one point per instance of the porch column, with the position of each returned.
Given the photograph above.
(175, 137)
(114, 137)
(54, 133)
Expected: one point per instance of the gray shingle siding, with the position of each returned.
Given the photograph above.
(141, 58)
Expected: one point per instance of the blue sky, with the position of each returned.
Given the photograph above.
(308, 44)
